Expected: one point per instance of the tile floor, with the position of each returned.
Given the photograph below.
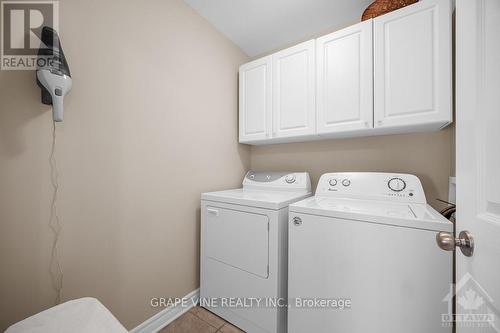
(199, 320)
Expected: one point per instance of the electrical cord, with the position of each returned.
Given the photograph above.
(448, 211)
(55, 225)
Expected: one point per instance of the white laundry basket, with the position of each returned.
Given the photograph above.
(84, 315)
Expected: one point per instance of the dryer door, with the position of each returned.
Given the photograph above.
(237, 238)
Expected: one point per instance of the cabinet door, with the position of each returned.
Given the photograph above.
(345, 80)
(412, 62)
(255, 101)
(293, 91)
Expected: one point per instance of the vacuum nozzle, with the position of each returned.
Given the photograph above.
(52, 74)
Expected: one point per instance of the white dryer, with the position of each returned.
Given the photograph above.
(363, 258)
(244, 249)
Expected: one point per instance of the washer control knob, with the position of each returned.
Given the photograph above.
(396, 184)
(332, 182)
(346, 182)
(290, 179)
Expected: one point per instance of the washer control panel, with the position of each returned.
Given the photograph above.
(372, 186)
(293, 181)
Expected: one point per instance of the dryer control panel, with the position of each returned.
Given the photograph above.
(293, 181)
(372, 186)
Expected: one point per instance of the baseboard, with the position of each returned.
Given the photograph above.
(168, 315)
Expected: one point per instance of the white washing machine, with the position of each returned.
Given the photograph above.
(365, 246)
(244, 249)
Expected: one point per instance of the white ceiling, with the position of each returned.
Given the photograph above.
(261, 26)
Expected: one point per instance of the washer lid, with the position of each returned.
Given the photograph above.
(411, 215)
(256, 198)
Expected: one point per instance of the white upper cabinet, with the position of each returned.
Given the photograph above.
(255, 100)
(294, 92)
(412, 67)
(389, 75)
(345, 80)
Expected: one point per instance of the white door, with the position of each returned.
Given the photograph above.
(255, 102)
(293, 91)
(413, 65)
(345, 80)
(478, 163)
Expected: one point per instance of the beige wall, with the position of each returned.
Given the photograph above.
(427, 155)
(151, 123)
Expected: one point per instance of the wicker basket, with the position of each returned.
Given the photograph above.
(380, 7)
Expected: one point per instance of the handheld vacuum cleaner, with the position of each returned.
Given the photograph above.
(52, 74)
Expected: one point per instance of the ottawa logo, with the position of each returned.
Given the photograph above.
(474, 306)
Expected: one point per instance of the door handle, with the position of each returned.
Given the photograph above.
(446, 241)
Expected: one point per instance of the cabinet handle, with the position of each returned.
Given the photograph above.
(297, 221)
(213, 211)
